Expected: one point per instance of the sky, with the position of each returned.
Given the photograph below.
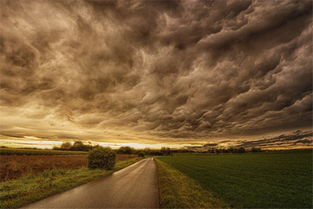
(155, 72)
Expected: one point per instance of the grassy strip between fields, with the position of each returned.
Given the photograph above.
(19, 192)
(179, 191)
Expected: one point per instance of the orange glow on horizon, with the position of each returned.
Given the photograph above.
(47, 144)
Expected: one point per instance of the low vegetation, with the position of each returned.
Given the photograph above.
(103, 158)
(179, 191)
(249, 180)
(141, 154)
(18, 192)
(15, 166)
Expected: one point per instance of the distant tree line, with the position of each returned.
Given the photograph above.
(80, 146)
(126, 150)
(76, 146)
(233, 150)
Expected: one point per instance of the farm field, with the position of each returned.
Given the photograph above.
(21, 151)
(179, 191)
(251, 180)
(15, 193)
(15, 166)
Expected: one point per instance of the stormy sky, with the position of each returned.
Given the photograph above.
(154, 71)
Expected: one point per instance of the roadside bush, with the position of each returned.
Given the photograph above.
(141, 154)
(101, 157)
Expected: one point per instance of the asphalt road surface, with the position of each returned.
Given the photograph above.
(133, 187)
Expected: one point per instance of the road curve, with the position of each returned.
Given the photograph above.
(132, 187)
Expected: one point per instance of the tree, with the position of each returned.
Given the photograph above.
(101, 157)
(256, 149)
(141, 154)
(147, 151)
(66, 145)
(80, 146)
(125, 150)
(241, 150)
(165, 151)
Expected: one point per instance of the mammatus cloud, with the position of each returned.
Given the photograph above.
(296, 139)
(154, 71)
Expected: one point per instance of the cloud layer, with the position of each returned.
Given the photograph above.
(152, 70)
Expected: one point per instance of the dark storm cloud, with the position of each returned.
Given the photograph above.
(173, 70)
(296, 138)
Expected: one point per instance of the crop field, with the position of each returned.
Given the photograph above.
(251, 180)
(20, 151)
(15, 166)
(21, 191)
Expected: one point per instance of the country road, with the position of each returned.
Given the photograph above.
(132, 187)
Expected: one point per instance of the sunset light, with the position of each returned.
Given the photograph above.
(156, 104)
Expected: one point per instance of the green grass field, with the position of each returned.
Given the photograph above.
(251, 180)
(179, 191)
(19, 151)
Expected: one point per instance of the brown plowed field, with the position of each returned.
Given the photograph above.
(14, 166)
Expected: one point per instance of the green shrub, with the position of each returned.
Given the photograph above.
(141, 154)
(101, 158)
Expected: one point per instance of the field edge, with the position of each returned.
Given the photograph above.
(176, 190)
(251, 180)
(28, 189)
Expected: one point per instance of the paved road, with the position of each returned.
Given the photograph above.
(132, 187)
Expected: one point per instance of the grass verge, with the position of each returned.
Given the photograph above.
(19, 192)
(179, 191)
